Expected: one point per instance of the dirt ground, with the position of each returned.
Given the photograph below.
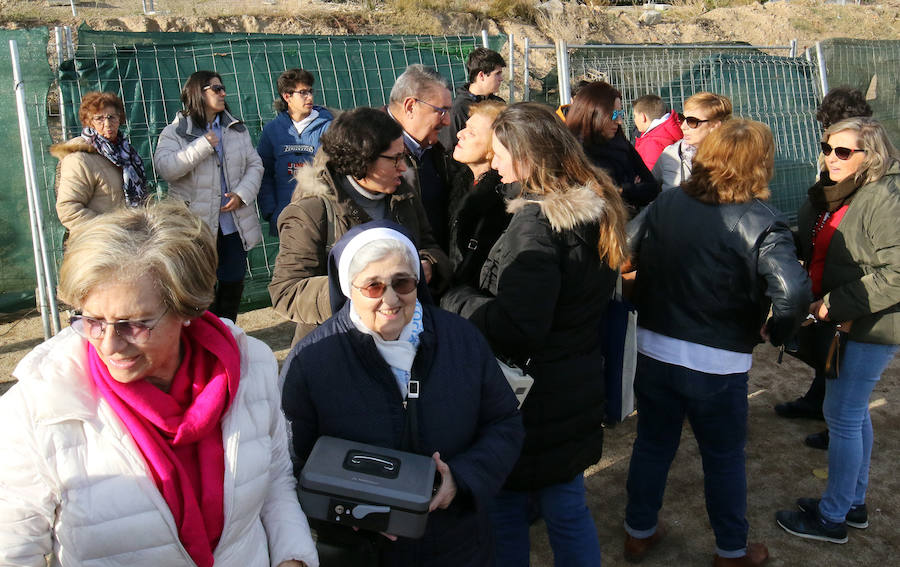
(779, 467)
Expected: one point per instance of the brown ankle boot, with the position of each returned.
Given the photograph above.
(637, 548)
(757, 554)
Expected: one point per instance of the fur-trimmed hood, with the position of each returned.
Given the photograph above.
(314, 180)
(565, 211)
(76, 144)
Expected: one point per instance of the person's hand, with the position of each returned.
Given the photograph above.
(447, 491)
(426, 270)
(292, 563)
(234, 203)
(212, 139)
(391, 537)
(819, 310)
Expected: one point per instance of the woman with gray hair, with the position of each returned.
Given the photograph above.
(148, 432)
(850, 239)
(385, 341)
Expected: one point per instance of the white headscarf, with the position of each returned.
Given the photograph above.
(360, 240)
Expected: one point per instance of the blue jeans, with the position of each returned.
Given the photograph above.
(232, 258)
(846, 411)
(716, 406)
(570, 527)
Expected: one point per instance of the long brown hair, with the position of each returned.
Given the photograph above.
(734, 164)
(548, 159)
(591, 110)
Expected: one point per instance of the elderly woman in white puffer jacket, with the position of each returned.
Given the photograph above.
(207, 158)
(149, 432)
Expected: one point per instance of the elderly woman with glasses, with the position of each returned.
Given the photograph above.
(849, 235)
(149, 432)
(595, 117)
(385, 342)
(100, 170)
(207, 158)
(356, 177)
(703, 113)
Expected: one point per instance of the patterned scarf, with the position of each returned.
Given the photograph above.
(398, 354)
(122, 154)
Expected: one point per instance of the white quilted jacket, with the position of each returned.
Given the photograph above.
(74, 486)
(190, 165)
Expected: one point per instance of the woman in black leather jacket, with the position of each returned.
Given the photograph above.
(711, 258)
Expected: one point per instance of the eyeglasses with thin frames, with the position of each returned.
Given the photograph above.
(439, 109)
(218, 89)
(692, 121)
(401, 286)
(134, 332)
(106, 118)
(397, 158)
(302, 92)
(841, 153)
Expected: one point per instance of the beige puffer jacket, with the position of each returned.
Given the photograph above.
(89, 184)
(187, 161)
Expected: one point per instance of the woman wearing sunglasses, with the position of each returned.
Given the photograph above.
(100, 170)
(595, 117)
(850, 236)
(703, 113)
(209, 162)
(149, 432)
(542, 295)
(356, 177)
(392, 370)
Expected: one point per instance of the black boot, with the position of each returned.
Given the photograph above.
(228, 299)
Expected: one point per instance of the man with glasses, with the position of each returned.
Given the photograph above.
(289, 142)
(485, 67)
(420, 104)
(703, 113)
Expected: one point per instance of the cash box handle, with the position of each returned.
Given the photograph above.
(373, 464)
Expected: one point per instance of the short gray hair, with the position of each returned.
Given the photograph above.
(378, 250)
(416, 82)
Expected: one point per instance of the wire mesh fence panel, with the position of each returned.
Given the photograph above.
(147, 70)
(873, 67)
(778, 91)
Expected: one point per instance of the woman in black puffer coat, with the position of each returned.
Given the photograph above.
(542, 292)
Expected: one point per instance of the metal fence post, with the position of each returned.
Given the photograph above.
(484, 38)
(70, 44)
(823, 72)
(45, 285)
(74, 11)
(512, 69)
(526, 95)
(793, 52)
(562, 70)
(59, 36)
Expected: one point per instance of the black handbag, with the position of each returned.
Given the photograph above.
(819, 346)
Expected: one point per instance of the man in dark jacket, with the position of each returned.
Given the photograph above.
(420, 103)
(485, 67)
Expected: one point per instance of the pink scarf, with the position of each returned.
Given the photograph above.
(179, 432)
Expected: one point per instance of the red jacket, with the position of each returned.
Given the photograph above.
(652, 142)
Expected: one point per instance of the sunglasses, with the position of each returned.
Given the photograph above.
(841, 153)
(617, 114)
(691, 121)
(397, 159)
(134, 332)
(218, 89)
(401, 286)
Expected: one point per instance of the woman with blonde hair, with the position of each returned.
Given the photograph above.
(541, 296)
(712, 257)
(149, 432)
(477, 197)
(849, 235)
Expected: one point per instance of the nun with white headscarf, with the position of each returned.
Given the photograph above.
(350, 379)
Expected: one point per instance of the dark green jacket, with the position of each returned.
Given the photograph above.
(862, 266)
